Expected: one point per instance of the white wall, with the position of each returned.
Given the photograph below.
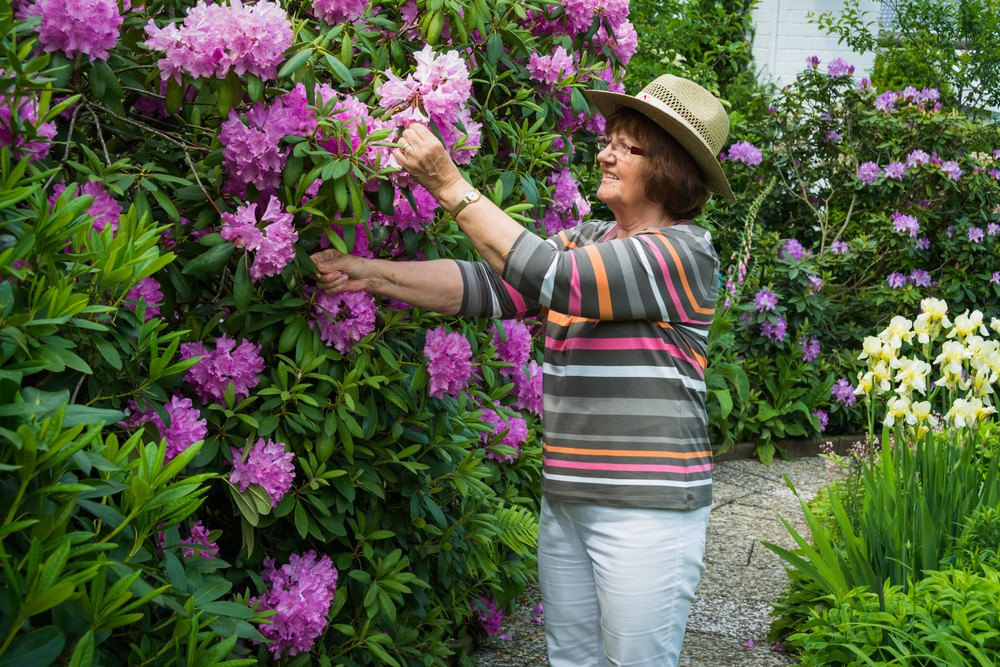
(785, 38)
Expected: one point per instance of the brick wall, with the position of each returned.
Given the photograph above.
(785, 38)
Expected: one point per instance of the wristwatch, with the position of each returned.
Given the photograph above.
(471, 197)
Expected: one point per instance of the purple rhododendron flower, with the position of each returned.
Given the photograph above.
(343, 318)
(746, 153)
(25, 111)
(626, 44)
(765, 300)
(838, 68)
(517, 432)
(301, 592)
(405, 217)
(995, 278)
(449, 362)
(517, 348)
(490, 618)
(89, 27)
(550, 70)
(833, 137)
(813, 62)
(148, 292)
(976, 234)
(869, 172)
(185, 426)
(923, 244)
(227, 363)
(774, 332)
(815, 284)
(951, 170)
(274, 246)
(267, 464)
(824, 419)
(895, 170)
(199, 538)
(865, 84)
(793, 249)
(104, 209)
(339, 11)
(992, 229)
(917, 158)
(580, 14)
(528, 388)
(905, 224)
(920, 278)
(810, 349)
(843, 392)
(886, 102)
(896, 280)
(839, 248)
(216, 38)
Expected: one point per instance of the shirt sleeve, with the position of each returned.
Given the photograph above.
(668, 277)
(486, 294)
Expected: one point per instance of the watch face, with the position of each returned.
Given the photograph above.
(472, 196)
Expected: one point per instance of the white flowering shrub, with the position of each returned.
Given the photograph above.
(200, 448)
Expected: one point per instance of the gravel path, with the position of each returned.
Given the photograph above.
(740, 581)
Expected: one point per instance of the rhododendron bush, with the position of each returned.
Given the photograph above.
(882, 199)
(198, 446)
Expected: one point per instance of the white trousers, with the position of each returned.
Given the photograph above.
(618, 583)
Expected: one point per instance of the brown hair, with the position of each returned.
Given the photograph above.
(672, 177)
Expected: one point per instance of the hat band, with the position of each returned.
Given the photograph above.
(663, 94)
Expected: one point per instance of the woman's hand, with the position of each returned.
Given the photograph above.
(339, 272)
(424, 158)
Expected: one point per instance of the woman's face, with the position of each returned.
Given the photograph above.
(622, 184)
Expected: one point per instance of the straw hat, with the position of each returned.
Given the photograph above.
(688, 113)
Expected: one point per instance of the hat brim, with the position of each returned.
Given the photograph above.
(607, 103)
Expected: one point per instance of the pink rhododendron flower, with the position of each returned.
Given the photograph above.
(793, 249)
(865, 84)
(815, 284)
(301, 592)
(922, 244)
(25, 113)
(89, 27)
(146, 290)
(626, 44)
(199, 538)
(450, 362)
(550, 70)
(216, 38)
(344, 318)
(491, 618)
(104, 209)
(227, 363)
(746, 153)
(267, 464)
(274, 246)
(185, 427)
(517, 432)
(765, 300)
(339, 11)
(528, 388)
(405, 217)
(580, 14)
(517, 348)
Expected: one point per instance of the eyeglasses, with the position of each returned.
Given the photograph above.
(618, 147)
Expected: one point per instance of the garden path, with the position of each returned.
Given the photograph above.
(741, 577)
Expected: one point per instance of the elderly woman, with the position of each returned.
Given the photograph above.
(627, 464)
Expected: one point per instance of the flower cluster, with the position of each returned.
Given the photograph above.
(869, 172)
(490, 617)
(905, 224)
(274, 246)
(227, 363)
(339, 11)
(104, 209)
(24, 112)
(838, 69)
(148, 292)
(843, 392)
(550, 70)
(765, 300)
(793, 249)
(566, 199)
(301, 592)
(517, 432)
(214, 39)
(438, 90)
(528, 388)
(267, 464)
(810, 349)
(405, 217)
(89, 27)
(449, 362)
(746, 153)
(201, 544)
(344, 318)
(774, 331)
(886, 102)
(514, 347)
(581, 13)
(185, 426)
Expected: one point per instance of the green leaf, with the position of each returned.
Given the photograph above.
(210, 591)
(175, 570)
(83, 653)
(301, 520)
(494, 49)
(210, 261)
(223, 608)
(50, 598)
(247, 509)
(340, 70)
(109, 353)
(295, 62)
(242, 289)
(530, 190)
(36, 649)
(254, 86)
(258, 494)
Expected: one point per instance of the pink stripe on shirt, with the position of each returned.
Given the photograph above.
(636, 343)
(574, 287)
(666, 277)
(626, 467)
(518, 300)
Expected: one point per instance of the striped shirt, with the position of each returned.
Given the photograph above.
(625, 357)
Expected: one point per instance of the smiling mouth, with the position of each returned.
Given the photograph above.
(611, 177)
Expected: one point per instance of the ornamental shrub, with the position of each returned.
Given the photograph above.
(200, 448)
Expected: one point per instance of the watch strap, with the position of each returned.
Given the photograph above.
(470, 197)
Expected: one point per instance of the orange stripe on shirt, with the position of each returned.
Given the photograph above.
(684, 280)
(626, 452)
(565, 240)
(566, 320)
(601, 281)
